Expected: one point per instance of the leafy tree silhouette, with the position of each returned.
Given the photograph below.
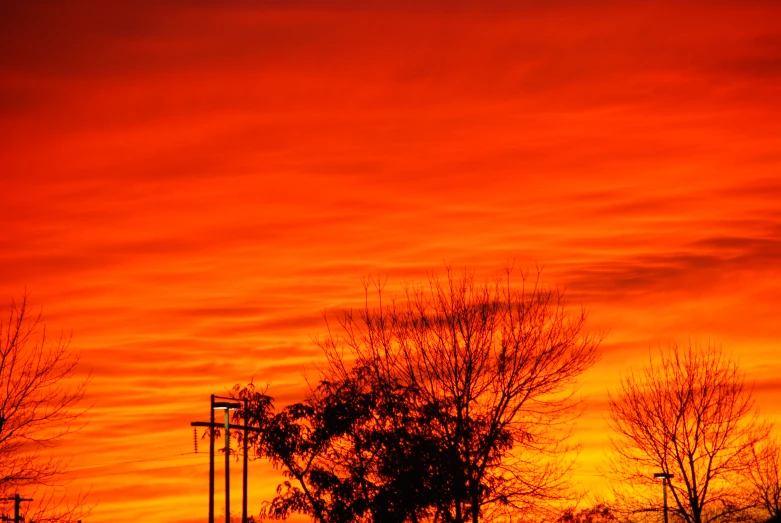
(450, 404)
(599, 513)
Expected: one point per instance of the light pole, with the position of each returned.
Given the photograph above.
(227, 406)
(230, 404)
(665, 477)
(244, 518)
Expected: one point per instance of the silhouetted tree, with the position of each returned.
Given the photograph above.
(763, 478)
(342, 460)
(600, 513)
(39, 399)
(689, 414)
(450, 404)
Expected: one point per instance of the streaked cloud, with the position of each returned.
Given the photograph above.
(189, 185)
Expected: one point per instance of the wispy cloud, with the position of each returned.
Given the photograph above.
(188, 185)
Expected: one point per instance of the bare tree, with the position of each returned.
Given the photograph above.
(689, 414)
(39, 398)
(763, 478)
(490, 366)
(450, 404)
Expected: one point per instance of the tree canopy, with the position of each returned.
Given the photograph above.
(448, 403)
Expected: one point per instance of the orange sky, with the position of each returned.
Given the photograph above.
(187, 186)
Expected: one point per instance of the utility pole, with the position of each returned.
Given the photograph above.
(17, 499)
(244, 472)
(211, 463)
(212, 425)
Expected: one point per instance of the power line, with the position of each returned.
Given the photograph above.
(143, 470)
(146, 460)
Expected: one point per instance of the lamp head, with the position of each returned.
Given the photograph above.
(226, 405)
(663, 475)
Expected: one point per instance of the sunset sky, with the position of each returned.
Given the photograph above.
(186, 186)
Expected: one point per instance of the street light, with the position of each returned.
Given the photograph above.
(227, 406)
(665, 477)
(230, 404)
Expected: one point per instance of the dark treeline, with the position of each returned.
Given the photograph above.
(453, 403)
